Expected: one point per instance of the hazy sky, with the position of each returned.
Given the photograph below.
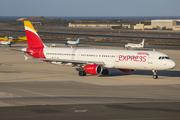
(89, 7)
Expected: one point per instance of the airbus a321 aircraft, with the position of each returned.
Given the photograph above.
(96, 61)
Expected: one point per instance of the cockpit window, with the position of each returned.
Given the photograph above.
(164, 57)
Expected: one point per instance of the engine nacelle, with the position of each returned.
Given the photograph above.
(127, 70)
(93, 69)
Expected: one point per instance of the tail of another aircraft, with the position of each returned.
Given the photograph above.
(77, 41)
(33, 39)
(9, 42)
(142, 43)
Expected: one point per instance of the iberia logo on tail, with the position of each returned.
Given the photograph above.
(33, 39)
(35, 45)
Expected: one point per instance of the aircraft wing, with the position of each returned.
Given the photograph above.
(71, 61)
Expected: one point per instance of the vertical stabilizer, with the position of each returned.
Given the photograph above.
(142, 43)
(77, 41)
(9, 42)
(33, 39)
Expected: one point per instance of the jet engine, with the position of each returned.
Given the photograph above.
(127, 70)
(93, 69)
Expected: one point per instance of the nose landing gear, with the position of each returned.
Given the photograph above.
(154, 74)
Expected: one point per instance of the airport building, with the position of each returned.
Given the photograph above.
(142, 27)
(160, 24)
(168, 24)
(93, 25)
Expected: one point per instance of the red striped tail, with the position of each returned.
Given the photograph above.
(33, 39)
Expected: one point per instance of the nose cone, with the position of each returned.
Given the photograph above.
(171, 64)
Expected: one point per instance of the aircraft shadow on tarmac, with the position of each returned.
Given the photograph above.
(116, 72)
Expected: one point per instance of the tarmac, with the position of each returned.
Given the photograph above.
(36, 90)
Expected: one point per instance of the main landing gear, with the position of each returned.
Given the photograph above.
(154, 74)
(82, 73)
(105, 72)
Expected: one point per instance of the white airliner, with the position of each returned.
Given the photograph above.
(70, 42)
(96, 61)
(135, 45)
(6, 42)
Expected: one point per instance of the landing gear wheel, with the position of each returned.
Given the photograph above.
(155, 76)
(105, 72)
(82, 73)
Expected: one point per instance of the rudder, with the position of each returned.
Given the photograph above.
(33, 39)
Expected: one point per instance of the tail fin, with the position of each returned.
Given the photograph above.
(9, 42)
(142, 43)
(33, 38)
(77, 41)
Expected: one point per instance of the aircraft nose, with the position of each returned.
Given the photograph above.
(172, 64)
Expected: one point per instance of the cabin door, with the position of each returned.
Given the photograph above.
(150, 58)
(117, 57)
(79, 56)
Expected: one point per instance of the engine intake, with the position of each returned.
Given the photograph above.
(93, 69)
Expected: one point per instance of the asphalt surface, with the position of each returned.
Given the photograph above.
(61, 42)
(131, 111)
(34, 90)
(94, 35)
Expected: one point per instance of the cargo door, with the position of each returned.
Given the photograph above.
(79, 55)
